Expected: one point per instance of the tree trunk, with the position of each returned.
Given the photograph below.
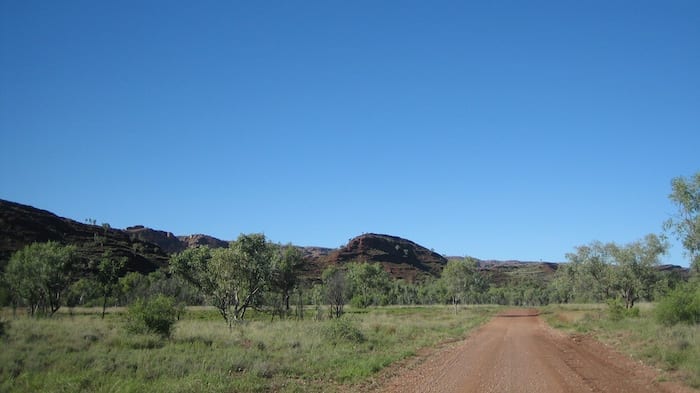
(104, 306)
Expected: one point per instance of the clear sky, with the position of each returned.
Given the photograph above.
(496, 129)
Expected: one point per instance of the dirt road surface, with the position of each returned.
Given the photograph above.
(517, 352)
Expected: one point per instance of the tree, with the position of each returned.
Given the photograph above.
(40, 274)
(686, 222)
(133, 286)
(561, 287)
(368, 284)
(107, 272)
(597, 272)
(81, 291)
(231, 278)
(589, 272)
(461, 279)
(252, 257)
(334, 285)
(285, 269)
(634, 276)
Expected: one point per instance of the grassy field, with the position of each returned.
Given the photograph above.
(81, 352)
(675, 350)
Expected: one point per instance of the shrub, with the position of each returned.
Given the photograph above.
(617, 310)
(343, 329)
(361, 301)
(156, 315)
(680, 305)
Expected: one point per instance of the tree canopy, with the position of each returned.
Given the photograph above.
(40, 274)
(685, 194)
(231, 278)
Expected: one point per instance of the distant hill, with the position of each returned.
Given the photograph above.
(401, 258)
(149, 249)
(21, 225)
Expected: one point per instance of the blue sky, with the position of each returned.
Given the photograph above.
(501, 130)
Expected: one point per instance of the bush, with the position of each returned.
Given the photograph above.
(617, 310)
(343, 329)
(680, 305)
(156, 315)
(361, 301)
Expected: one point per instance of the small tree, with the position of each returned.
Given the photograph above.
(80, 291)
(368, 284)
(286, 266)
(461, 278)
(334, 285)
(107, 272)
(250, 261)
(40, 274)
(634, 275)
(590, 272)
(231, 278)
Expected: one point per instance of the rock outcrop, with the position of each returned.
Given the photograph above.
(202, 240)
(401, 258)
(165, 240)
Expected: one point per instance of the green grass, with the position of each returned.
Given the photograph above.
(675, 349)
(85, 353)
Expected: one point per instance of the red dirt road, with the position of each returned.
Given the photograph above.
(517, 352)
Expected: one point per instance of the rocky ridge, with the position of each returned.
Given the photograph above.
(149, 249)
(21, 225)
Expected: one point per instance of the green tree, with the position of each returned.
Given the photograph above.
(193, 265)
(685, 224)
(81, 291)
(401, 292)
(252, 262)
(598, 272)
(285, 273)
(231, 278)
(634, 276)
(133, 286)
(589, 272)
(561, 288)
(368, 284)
(462, 280)
(40, 275)
(107, 270)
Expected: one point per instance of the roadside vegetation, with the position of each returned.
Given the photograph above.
(83, 352)
(674, 349)
(664, 334)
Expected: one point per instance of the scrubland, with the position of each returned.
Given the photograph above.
(79, 351)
